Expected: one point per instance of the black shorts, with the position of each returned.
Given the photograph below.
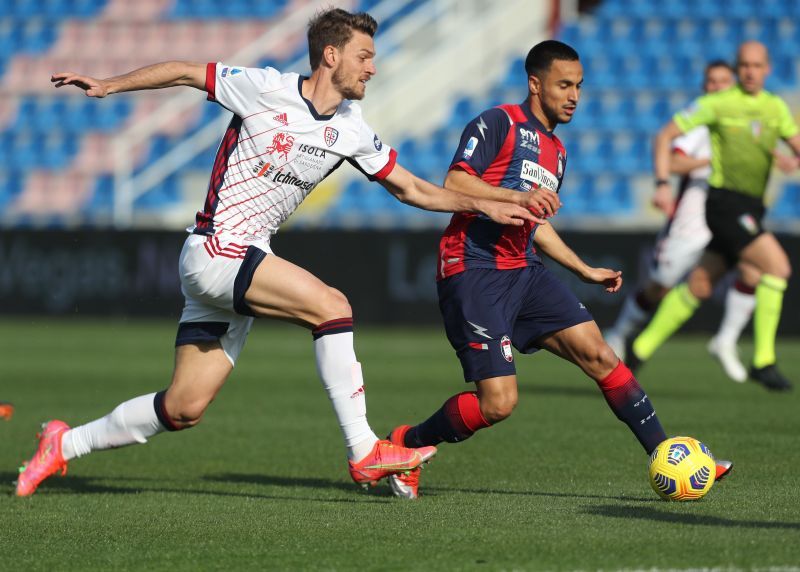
(735, 220)
(486, 311)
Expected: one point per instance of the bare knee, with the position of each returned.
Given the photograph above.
(185, 414)
(498, 406)
(332, 305)
(783, 269)
(701, 285)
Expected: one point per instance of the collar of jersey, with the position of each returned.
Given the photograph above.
(311, 109)
(526, 109)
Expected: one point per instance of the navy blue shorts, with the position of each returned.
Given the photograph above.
(486, 311)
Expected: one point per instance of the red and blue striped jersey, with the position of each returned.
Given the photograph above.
(505, 146)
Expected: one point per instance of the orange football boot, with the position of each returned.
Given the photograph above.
(47, 460)
(404, 485)
(387, 459)
(724, 468)
(6, 410)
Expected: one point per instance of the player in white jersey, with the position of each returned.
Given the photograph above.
(287, 134)
(681, 243)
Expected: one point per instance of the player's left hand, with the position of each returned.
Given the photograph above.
(611, 279)
(786, 163)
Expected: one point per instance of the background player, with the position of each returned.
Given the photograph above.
(494, 292)
(681, 243)
(229, 274)
(745, 124)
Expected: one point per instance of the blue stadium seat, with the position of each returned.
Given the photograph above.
(788, 204)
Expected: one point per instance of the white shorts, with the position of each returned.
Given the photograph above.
(215, 274)
(681, 243)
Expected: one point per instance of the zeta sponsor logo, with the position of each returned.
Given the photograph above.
(331, 135)
(377, 142)
(529, 140)
(472, 144)
(538, 175)
(281, 144)
(230, 71)
(281, 118)
(505, 348)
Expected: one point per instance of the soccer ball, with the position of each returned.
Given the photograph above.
(682, 469)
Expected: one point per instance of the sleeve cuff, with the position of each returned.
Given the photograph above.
(463, 166)
(388, 167)
(211, 81)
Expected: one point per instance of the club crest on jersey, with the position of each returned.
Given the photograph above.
(331, 135)
(377, 142)
(470, 147)
(505, 347)
(529, 140)
(281, 144)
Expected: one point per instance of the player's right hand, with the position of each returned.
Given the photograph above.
(93, 87)
(507, 213)
(663, 200)
(542, 202)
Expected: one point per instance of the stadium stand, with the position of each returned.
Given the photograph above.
(642, 61)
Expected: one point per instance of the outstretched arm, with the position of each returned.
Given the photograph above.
(156, 76)
(787, 165)
(410, 189)
(542, 202)
(550, 243)
(663, 199)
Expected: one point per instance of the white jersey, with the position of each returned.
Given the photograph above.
(695, 143)
(276, 149)
(682, 241)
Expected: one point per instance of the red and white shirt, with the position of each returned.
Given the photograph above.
(276, 149)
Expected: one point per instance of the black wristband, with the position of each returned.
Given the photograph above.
(660, 182)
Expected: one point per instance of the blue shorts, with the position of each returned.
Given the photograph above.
(486, 311)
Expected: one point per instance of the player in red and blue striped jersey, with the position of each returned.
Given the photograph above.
(494, 292)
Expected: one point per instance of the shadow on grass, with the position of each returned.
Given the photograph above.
(292, 482)
(269, 480)
(90, 485)
(647, 513)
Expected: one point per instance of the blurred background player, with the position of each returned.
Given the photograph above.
(681, 243)
(229, 274)
(745, 123)
(494, 292)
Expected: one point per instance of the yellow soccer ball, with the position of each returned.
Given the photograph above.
(682, 469)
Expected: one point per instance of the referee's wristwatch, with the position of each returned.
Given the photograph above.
(660, 182)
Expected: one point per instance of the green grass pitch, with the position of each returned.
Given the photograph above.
(261, 484)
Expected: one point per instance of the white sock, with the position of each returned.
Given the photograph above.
(738, 310)
(631, 318)
(131, 422)
(340, 373)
